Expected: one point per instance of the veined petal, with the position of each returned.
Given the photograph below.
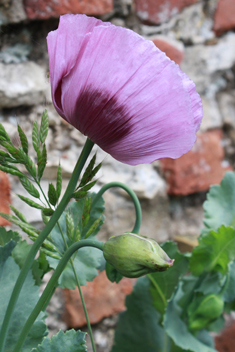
(122, 92)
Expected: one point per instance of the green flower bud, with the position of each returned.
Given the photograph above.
(134, 255)
(204, 310)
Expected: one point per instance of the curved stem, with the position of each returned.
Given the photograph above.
(80, 291)
(133, 197)
(50, 286)
(43, 235)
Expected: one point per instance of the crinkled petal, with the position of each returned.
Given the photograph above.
(124, 93)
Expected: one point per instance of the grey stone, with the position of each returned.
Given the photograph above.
(15, 54)
(227, 107)
(22, 84)
(12, 12)
(211, 114)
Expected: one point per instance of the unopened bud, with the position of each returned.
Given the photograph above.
(134, 255)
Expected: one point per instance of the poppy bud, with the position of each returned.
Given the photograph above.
(204, 311)
(134, 255)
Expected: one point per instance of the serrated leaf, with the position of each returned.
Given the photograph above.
(163, 284)
(42, 161)
(177, 329)
(35, 137)
(7, 236)
(71, 341)
(52, 195)
(29, 187)
(214, 251)
(94, 226)
(44, 127)
(138, 328)
(87, 174)
(9, 272)
(87, 260)
(220, 204)
(59, 182)
(86, 211)
(23, 140)
(30, 202)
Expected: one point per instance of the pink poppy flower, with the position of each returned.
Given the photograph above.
(121, 91)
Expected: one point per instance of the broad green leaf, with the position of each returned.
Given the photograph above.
(138, 328)
(212, 283)
(88, 259)
(44, 127)
(7, 236)
(20, 253)
(28, 298)
(177, 329)
(23, 139)
(59, 182)
(229, 294)
(29, 187)
(163, 284)
(52, 195)
(214, 251)
(71, 341)
(220, 205)
(30, 202)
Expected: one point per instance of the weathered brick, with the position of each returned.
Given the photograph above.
(102, 299)
(199, 168)
(43, 9)
(224, 18)
(161, 10)
(4, 197)
(173, 51)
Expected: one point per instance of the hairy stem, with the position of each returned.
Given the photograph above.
(43, 235)
(51, 285)
(133, 196)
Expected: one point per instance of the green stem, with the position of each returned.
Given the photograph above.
(164, 301)
(43, 235)
(131, 194)
(80, 292)
(50, 286)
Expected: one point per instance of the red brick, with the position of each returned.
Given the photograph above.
(224, 18)
(199, 168)
(170, 50)
(43, 9)
(159, 11)
(4, 197)
(225, 341)
(102, 299)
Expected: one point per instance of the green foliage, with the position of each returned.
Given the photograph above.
(59, 182)
(87, 260)
(52, 194)
(30, 202)
(163, 284)
(71, 341)
(42, 161)
(220, 205)
(23, 139)
(44, 128)
(7, 236)
(138, 328)
(29, 187)
(9, 272)
(214, 252)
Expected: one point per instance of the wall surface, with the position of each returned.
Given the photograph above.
(197, 35)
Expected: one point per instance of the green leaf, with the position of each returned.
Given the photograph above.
(35, 137)
(30, 202)
(28, 298)
(138, 328)
(177, 329)
(112, 274)
(23, 140)
(229, 294)
(19, 215)
(44, 127)
(47, 211)
(69, 226)
(88, 259)
(7, 236)
(220, 205)
(30, 167)
(20, 253)
(52, 195)
(71, 341)
(214, 251)
(59, 182)
(83, 191)
(4, 133)
(163, 284)
(42, 161)
(88, 172)
(29, 187)
(9, 170)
